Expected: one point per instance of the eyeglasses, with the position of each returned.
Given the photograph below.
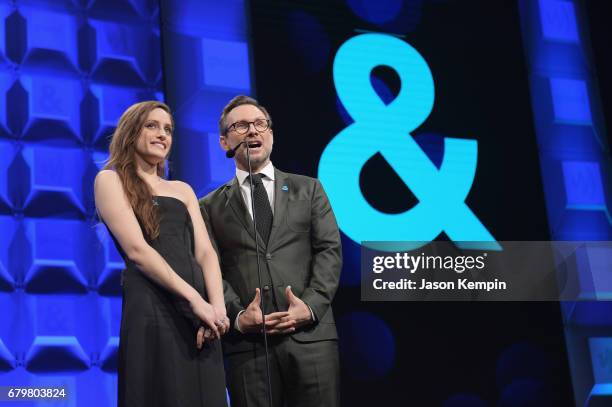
(242, 127)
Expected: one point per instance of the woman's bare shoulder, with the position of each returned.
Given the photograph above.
(107, 179)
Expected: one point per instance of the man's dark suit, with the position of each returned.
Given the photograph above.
(303, 252)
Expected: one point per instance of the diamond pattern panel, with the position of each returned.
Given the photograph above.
(68, 69)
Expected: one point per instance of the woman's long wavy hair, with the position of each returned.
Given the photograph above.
(122, 159)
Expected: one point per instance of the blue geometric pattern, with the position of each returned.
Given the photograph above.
(67, 71)
(69, 68)
(558, 21)
(60, 259)
(7, 226)
(7, 360)
(570, 101)
(599, 265)
(7, 155)
(207, 61)
(601, 355)
(227, 64)
(575, 163)
(56, 353)
(594, 265)
(583, 185)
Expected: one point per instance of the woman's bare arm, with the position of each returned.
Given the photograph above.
(205, 253)
(116, 212)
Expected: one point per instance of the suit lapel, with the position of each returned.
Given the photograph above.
(281, 197)
(234, 197)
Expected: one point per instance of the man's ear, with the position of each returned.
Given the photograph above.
(223, 143)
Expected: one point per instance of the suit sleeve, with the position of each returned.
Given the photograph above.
(327, 255)
(232, 301)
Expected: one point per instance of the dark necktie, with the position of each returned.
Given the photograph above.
(263, 210)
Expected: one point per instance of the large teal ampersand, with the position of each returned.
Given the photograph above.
(386, 129)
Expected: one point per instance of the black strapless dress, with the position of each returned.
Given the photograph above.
(159, 364)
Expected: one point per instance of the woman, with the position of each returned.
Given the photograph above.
(173, 308)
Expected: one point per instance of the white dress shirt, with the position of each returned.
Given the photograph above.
(245, 186)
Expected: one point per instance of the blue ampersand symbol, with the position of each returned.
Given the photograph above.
(385, 129)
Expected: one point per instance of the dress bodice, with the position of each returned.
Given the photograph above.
(175, 242)
(174, 222)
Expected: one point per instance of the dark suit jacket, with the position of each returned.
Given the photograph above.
(304, 251)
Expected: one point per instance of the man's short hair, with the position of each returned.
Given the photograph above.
(239, 101)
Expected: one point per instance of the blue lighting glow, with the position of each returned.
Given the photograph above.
(570, 100)
(583, 185)
(376, 12)
(558, 19)
(358, 331)
(226, 64)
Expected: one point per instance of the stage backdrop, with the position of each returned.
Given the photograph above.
(307, 59)
(67, 71)
(513, 78)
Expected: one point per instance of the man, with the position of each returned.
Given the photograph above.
(301, 258)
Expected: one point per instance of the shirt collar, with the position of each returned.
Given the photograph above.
(267, 171)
